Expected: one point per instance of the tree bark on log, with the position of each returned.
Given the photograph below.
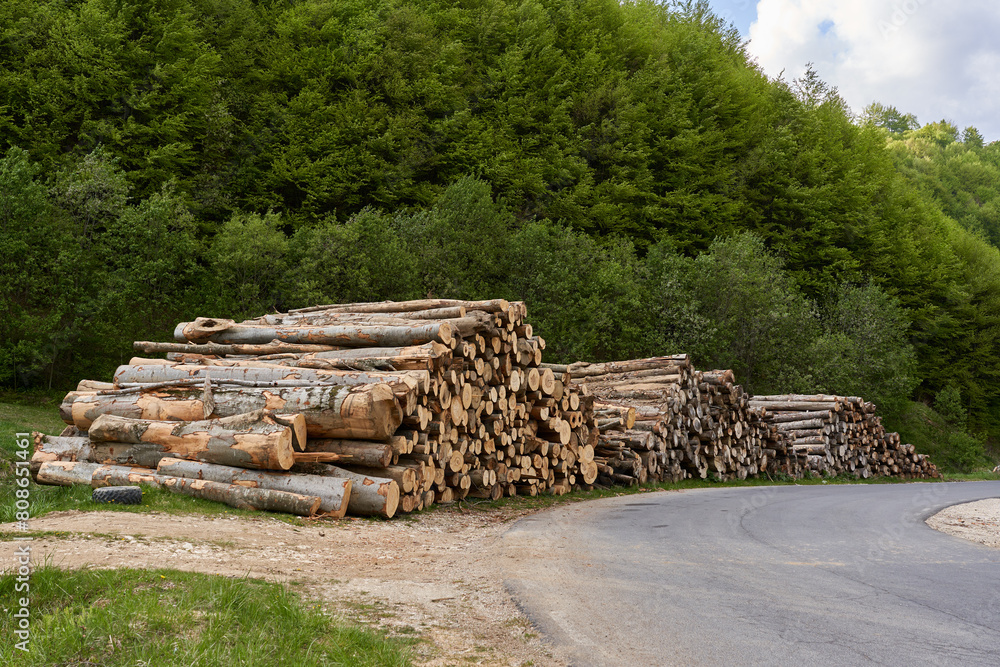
(57, 448)
(234, 495)
(219, 350)
(370, 495)
(489, 306)
(404, 476)
(796, 406)
(429, 357)
(94, 385)
(637, 382)
(826, 416)
(205, 330)
(364, 412)
(271, 371)
(784, 398)
(582, 369)
(65, 473)
(245, 441)
(445, 313)
(355, 452)
(334, 493)
(405, 384)
(477, 322)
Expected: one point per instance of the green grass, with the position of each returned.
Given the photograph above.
(983, 475)
(167, 617)
(24, 413)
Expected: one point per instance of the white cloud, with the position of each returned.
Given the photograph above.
(933, 58)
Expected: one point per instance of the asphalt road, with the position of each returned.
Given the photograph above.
(790, 575)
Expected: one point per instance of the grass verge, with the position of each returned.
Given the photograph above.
(167, 617)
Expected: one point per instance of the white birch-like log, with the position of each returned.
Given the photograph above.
(219, 350)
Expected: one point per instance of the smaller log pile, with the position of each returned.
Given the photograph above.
(663, 420)
(645, 409)
(736, 438)
(420, 402)
(842, 435)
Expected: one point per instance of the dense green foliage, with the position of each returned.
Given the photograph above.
(622, 167)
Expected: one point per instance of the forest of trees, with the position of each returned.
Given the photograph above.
(624, 168)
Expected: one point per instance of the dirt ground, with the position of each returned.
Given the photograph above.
(435, 576)
(978, 521)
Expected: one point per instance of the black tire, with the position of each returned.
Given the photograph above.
(120, 495)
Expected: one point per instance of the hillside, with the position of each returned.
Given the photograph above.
(624, 168)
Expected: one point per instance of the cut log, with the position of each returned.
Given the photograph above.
(234, 495)
(58, 448)
(296, 422)
(334, 493)
(94, 385)
(583, 369)
(151, 371)
(205, 330)
(796, 406)
(369, 412)
(370, 496)
(405, 477)
(65, 473)
(489, 306)
(245, 441)
(356, 452)
(215, 349)
(445, 313)
(801, 424)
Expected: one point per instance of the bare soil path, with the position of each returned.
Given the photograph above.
(435, 576)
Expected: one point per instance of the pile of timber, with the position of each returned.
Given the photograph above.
(634, 401)
(743, 442)
(842, 435)
(418, 402)
(660, 419)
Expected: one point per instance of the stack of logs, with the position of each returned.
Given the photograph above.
(430, 401)
(842, 435)
(418, 402)
(662, 420)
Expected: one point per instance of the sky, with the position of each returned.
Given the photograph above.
(937, 59)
